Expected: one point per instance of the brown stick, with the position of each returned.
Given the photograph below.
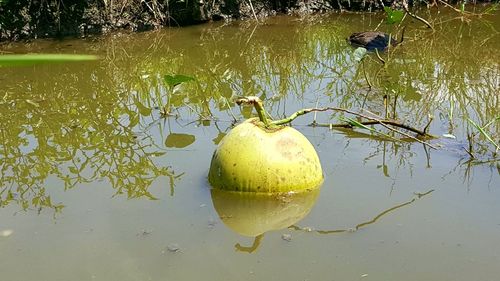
(368, 123)
(372, 121)
(405, 6)
(405, 134)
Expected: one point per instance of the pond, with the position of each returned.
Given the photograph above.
(97, 184)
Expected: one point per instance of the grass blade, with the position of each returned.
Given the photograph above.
(357, 124)
(484, 133)
(33, 59)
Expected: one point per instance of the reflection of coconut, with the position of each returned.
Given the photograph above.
(254, 159)
(252, 214)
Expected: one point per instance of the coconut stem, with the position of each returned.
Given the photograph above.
(290, 118)
(259, 107)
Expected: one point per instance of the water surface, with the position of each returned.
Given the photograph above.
(97, 185)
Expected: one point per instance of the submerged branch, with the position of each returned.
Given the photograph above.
(424, 131)
(373, 120)
(426, 128)
(385, 122)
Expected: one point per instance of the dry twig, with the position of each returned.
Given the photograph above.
(415, 16)
(372, 121)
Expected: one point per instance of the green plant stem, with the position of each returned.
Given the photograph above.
(257, 103)
(33, 59)
(364, 73)
(484, 133)
(379, 57)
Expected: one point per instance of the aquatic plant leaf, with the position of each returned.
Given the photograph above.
(143, 110)
(219, 137)
(385, 170)
(359, 54)
(484, 133)
(174, 80)
(179, 140)
(177, 99)
(33, 59)
(357, 124)
(393, 16)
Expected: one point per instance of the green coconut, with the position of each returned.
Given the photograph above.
(254, 157)
(252, 214)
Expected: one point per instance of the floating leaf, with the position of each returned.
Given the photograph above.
(33, 59)
(359, 53)
(174, 80)
(143, 110)
(73, 170)
(393, 16)
(218, 138)
(411, 94)
(179, 140)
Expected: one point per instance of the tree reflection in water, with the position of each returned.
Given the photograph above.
(87, 123)
(65, 124)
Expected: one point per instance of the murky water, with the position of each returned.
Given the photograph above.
(97, 185)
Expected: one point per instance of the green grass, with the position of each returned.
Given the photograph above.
(33, 59)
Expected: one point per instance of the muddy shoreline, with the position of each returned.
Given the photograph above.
(25, 19)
